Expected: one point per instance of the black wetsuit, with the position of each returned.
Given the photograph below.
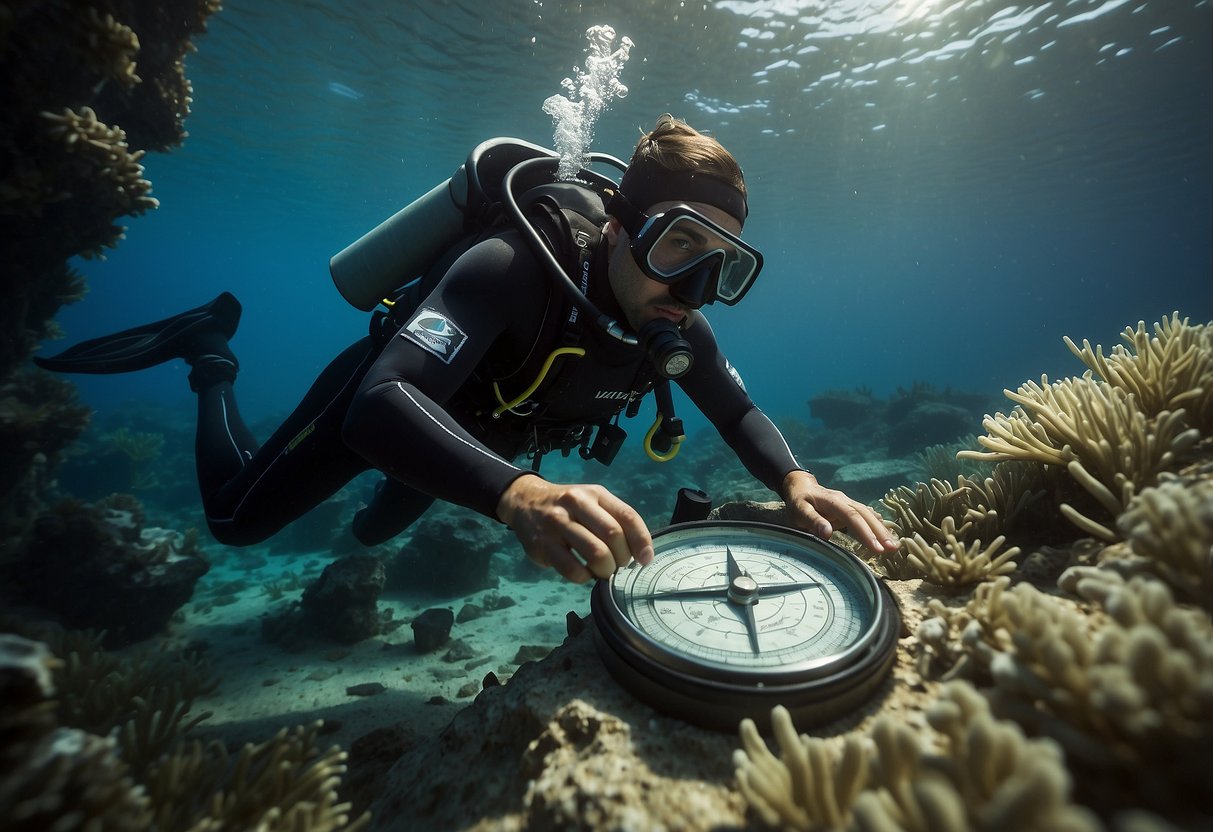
(422, 415)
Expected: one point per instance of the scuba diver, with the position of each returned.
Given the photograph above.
(489, 359)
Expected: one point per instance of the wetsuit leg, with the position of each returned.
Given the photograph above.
(393, 509)
(250, 493)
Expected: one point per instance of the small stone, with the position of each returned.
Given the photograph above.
(470, 689)
(493, 601)
(469, 612)
(432, 629)
(531, 653)
(366, 689)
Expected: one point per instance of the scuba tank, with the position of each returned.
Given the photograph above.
(405, 245)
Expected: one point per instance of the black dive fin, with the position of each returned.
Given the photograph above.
(150, 344)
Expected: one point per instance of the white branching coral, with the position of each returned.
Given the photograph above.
(1169, 370)
(982, 774)
(942, 527)
(954, 565)
(111, 47)
(1096, 431)
(99, 155)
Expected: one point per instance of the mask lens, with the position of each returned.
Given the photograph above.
(687, 241)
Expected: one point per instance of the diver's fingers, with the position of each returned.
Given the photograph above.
(619, 526)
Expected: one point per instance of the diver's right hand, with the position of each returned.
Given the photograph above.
(581, 531)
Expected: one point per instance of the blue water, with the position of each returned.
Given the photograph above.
(942, 190)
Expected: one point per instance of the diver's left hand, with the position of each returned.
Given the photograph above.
(821, 510)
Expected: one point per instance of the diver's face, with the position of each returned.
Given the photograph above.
(642, 298)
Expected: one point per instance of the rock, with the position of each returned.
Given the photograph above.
(447, 557)
(469, 612)
(772, 512)
(869, 481)
(460, 651)
(531, 653)
(493, 601)
(562, 746)
(97, 566)
(843, 408)
(929, 423)
(343, 602)
(366, 689)
(432, 629)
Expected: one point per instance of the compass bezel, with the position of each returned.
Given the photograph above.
(718, 696)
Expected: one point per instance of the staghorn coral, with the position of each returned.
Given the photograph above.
(112, 47)
(952, 564)
(942, 527)
(67, 174)
(98, 154)
(1170, 370)
(1096, 431)
(984, 774)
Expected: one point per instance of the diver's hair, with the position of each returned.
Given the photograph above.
(676, 145)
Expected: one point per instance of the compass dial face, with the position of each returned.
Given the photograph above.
(732, 617)
(811, 608)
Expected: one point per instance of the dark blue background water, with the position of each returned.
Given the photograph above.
(942, 189)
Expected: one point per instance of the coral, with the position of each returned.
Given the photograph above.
(99, 690)
(940, 462)
(99, 566)
(984, 774)
(942, 527)
(1096, 431)
(143, 776)
(1128, 695)
(954, 565)
(284, 783)
(88, 89)
(843, 408)
(1170, 370)
(1169, 529)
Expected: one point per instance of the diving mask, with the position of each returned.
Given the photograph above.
(697, 258)
(680, 244)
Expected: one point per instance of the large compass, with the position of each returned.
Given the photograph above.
(732, 618)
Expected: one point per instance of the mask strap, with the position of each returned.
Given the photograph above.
(630, 217)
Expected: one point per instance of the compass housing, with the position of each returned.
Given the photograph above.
(688, 635)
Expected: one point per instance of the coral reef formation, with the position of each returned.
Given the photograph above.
(1059, 608)
(89, 89)
(69, 761)
(99, 566)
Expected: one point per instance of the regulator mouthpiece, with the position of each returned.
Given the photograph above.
(667, 349)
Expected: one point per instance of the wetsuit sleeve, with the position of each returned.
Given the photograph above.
(398, 422)
(716, 389)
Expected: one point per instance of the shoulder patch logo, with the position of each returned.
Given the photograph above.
(435, 333)
(736, 375)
